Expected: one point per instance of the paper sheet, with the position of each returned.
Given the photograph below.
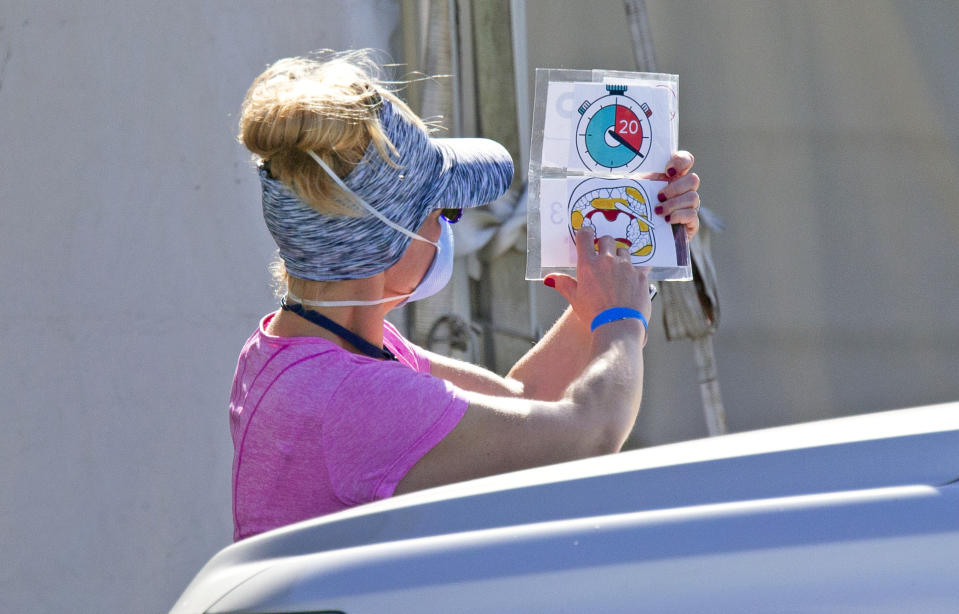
(606, 139)
(621, 208)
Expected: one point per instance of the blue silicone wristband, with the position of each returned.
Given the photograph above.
(617, 313)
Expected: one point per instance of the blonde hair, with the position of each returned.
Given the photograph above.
(326, 103)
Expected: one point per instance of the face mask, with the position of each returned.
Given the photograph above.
(437, 275)
(441, 268)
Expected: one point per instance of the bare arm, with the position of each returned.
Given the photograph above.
(546, 371)
(596, 410)
(499, 434)
(473, 378)
(543, 373)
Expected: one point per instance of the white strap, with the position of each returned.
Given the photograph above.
(310, 303)
(366, 205)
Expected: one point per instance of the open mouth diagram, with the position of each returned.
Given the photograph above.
(617, 208)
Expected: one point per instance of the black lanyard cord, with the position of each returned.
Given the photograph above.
(347, 335)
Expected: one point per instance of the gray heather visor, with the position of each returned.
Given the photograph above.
(431, 174)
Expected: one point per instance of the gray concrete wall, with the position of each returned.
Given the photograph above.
(134, 266)
(826, 134)
(134, 254)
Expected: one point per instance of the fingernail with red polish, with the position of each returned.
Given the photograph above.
(671, 172)
(661, 197)
(549, 282)
(658, 210)
(666, 218)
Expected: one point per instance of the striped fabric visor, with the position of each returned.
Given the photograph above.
(431, 174)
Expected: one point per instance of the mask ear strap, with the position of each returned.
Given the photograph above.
(310, 303)
(366, 205)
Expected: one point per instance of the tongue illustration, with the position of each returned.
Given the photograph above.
(612, 222)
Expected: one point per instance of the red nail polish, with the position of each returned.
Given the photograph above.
(661, 197)
(658, 210)
(549, 282)
(671, 172)
(666, 218)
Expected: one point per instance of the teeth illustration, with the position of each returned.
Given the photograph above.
(620, 211)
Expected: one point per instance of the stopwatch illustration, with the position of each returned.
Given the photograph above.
(613, 131)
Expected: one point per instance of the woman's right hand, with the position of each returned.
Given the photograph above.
(595, 412)
(605, 277)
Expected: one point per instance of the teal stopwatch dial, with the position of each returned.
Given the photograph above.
(613, 132)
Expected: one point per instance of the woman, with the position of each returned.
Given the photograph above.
(331, 407)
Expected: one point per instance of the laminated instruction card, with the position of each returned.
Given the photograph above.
(600, 144)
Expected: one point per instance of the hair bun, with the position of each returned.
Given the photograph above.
(328, 106)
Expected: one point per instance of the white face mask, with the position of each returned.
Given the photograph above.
(437, 275)
(441, 268)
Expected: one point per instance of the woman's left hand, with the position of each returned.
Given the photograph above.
(678, 202)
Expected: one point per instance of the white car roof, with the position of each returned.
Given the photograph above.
(860, 458)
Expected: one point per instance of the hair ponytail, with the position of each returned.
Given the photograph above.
(328, 106)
